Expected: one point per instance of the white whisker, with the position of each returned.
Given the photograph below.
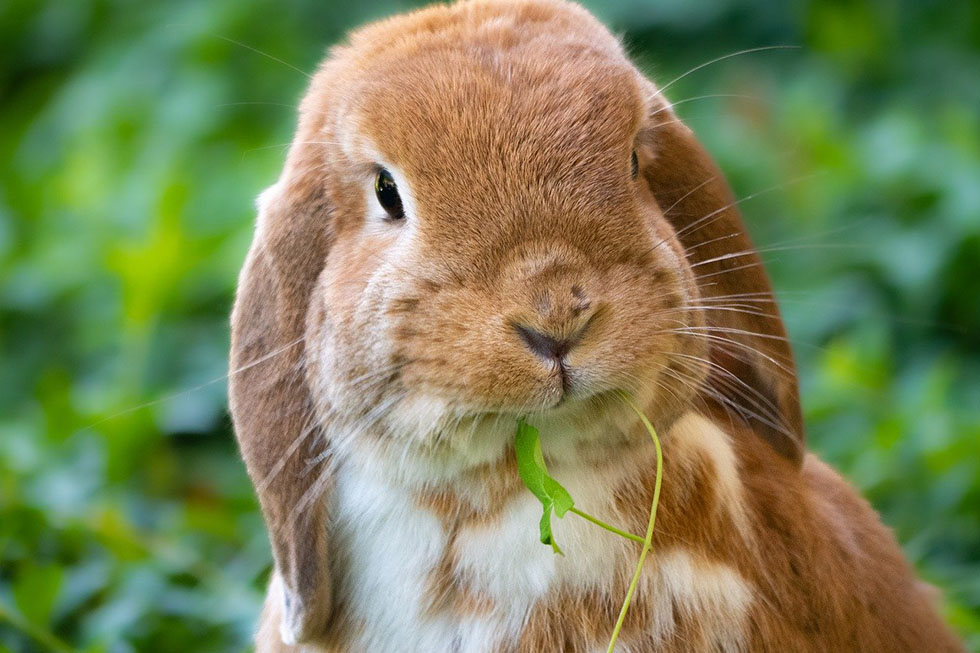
(731, 55)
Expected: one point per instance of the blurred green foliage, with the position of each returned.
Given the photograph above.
(134, 137)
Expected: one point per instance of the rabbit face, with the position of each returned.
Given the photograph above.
(496, 252)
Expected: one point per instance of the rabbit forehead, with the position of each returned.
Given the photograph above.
(507, 106)
(528, 86)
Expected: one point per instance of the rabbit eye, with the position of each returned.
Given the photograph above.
(387, 192)
(634, 165)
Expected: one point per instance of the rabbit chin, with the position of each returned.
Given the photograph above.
(425, 439)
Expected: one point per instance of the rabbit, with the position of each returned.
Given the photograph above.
(489, 213)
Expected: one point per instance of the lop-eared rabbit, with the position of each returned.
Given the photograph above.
(488, 212)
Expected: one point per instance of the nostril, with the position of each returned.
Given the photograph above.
(543, 344)
(582, 302)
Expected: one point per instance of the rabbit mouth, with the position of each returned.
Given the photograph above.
(573, 390)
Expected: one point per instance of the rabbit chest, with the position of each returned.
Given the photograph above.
(410, 576)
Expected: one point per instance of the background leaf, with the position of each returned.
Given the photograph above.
(36, 591)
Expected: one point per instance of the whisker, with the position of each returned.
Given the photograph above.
(774, 248)
(721, 340)
(377, 373)
(714, 215)
(772, 420)
(746, 266)
(315, 489)
(264, 54)
(725, 308)
(663, 88)
(238, 104)
(689, 193)
(712, 240)
(671, 105)
(196, 388)
(744, 332)
(281, 462)
(729, 375)
(285, 146)
(744, 411)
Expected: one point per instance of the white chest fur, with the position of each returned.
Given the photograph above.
(385, 547)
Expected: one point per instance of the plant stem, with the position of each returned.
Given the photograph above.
(612, 529)
(653, 518)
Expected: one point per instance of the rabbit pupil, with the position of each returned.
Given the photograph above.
(634, 165)
(387, 193)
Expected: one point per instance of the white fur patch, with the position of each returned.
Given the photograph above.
(385, 547)
(263, 205)
(713, 596)
(695, 437)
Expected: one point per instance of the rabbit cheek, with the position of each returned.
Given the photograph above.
(350, 366)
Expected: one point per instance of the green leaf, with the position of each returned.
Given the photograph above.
(36, 590)
(560, 497)
(534, 474)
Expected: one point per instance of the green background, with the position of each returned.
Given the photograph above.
(135, 135)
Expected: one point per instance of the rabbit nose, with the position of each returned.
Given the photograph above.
(559, 321)
(545, 345)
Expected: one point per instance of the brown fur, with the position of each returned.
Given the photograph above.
(829, 573)
(514, 123)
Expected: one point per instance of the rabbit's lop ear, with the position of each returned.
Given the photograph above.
(270, 400)
(752, 372)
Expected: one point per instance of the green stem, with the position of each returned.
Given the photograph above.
(653, 518)
(612, 529)
(36, 633)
